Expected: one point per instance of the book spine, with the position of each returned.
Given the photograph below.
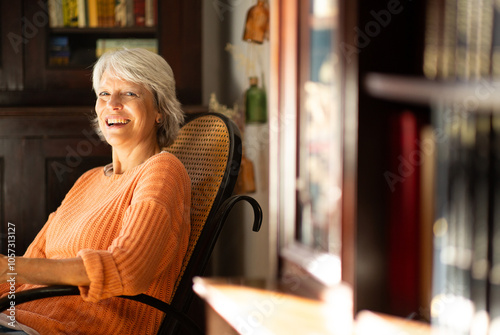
(404, 217)
(427, 149)
(149, 13)
(140, 12)
(485, 37)
(82, 14)
(462, 50)
(110, 12)
(433, 38)
(65, 12)
(92, 10)
(55, 13)
(447, 68)
(495, 48)
(100, 13)
(130, 13)
(481, 192)
(494, 276)
(121, 13)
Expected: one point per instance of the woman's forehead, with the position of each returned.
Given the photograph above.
(111, 76)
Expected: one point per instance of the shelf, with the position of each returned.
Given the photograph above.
(480, 96)
(243, 306)
(106, 30)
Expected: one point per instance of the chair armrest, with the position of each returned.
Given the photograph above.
(227, 205)
(61, 290)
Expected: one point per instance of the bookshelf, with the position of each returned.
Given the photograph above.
(456, 94)
(29, 78)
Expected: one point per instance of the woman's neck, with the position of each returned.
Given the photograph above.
(124, 160)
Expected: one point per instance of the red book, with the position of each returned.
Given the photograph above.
(404, 184)
(140, 12)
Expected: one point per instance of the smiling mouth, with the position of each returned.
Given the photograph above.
(119, 122)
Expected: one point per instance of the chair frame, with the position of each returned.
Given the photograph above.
(176, 311)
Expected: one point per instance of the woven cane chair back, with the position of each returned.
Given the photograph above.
(203, 147)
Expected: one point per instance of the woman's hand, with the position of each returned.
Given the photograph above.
(6, 268)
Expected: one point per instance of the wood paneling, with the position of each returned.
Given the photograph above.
(42, 153)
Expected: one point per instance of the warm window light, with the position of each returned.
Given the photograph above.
(256, 311)
(324, 8)
(453, 312)
(339, 309)
(369, 323)
(495, 327)
(480, 324)
(327, 268)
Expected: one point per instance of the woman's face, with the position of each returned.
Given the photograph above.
(126, 112)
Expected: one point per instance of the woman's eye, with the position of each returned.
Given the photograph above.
(131, 94)
(102, 94)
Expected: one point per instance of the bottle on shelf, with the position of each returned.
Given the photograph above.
(255, 103)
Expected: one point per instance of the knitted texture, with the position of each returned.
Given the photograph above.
(132, 232)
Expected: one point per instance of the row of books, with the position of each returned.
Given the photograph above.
(103, 45)
(102, 13)
(461, 44)
(60, 53)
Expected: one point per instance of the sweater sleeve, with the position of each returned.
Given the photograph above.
(152, 239)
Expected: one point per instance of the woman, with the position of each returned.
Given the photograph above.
(122, 229)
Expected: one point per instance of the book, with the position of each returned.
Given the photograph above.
(481, 193)
(140, 13)
(70, 13)
(59, 52)
(121, 13)
(92, 13)
(403, 246)
(432, 40)
(82, 13)
(130, 13)
(55, 13)
(150, 13)
(447, 66)
(494, 275)
(427, 147)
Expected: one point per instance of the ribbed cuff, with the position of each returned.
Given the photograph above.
(104, 276)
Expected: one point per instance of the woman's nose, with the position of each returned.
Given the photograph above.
(115, 101)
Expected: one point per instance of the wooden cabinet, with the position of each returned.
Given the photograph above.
(42, 153)
(11, 63)
(27, 79)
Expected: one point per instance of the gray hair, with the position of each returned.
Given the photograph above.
(150, 70)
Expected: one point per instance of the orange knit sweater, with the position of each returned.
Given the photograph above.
(132, 232)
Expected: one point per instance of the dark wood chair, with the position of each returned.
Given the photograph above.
(209, 145)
